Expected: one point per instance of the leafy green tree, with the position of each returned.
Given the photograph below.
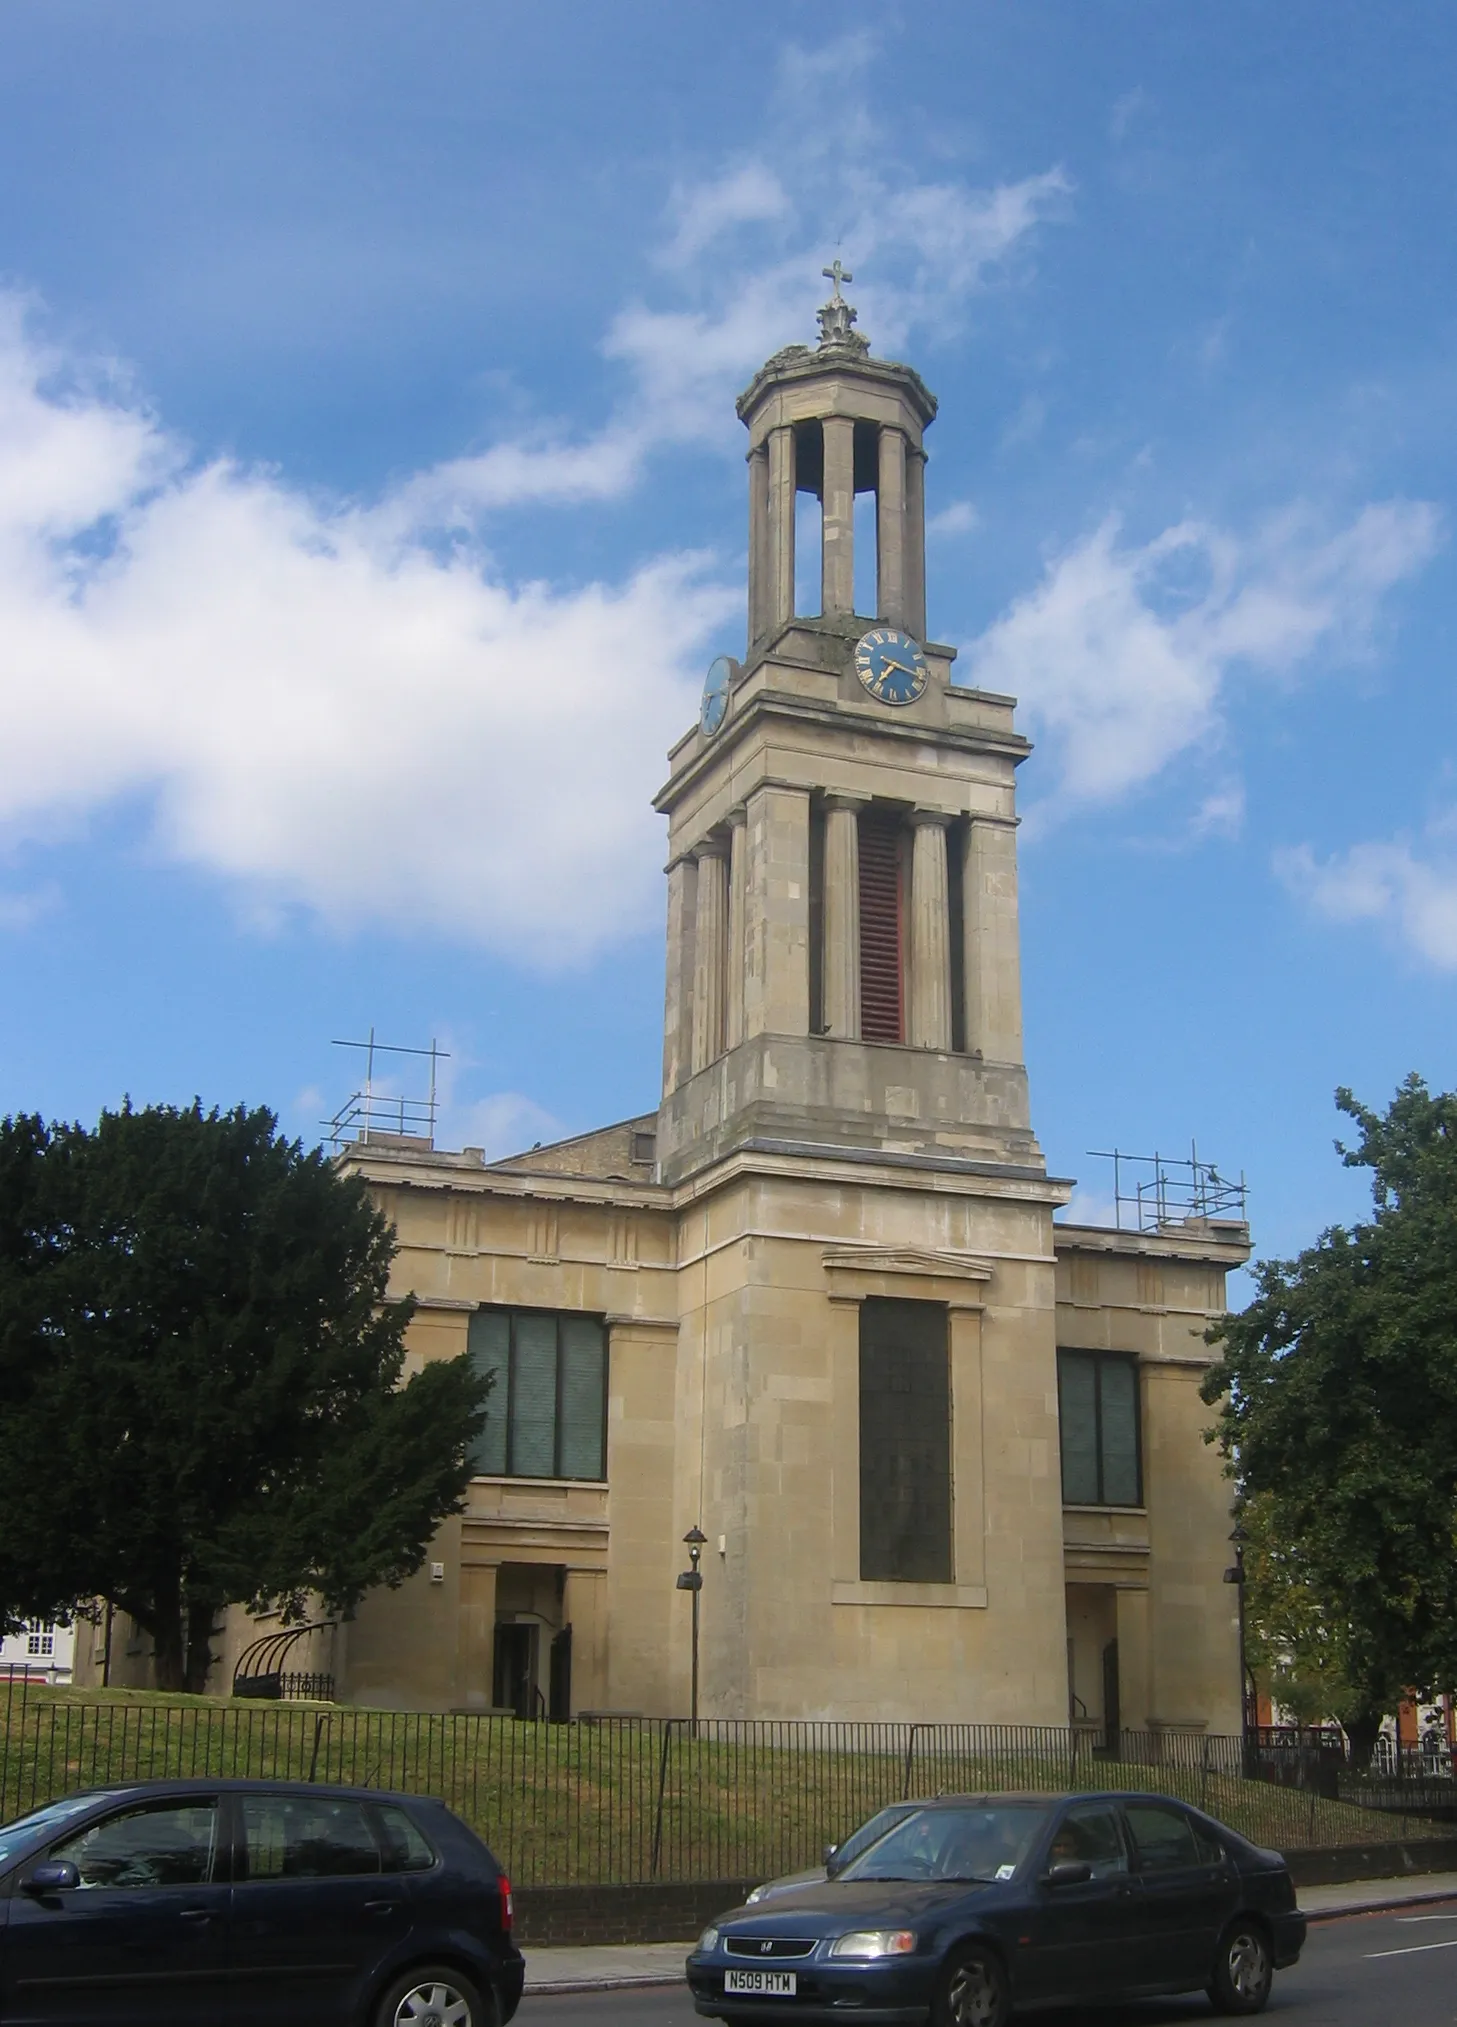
(1295, 1641)
(1338, 1392)
(200, 1398)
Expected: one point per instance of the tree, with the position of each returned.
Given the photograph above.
(200, 1398)
(1295, 1643)
(1338, 1387)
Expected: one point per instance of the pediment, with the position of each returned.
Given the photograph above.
(907, 1260)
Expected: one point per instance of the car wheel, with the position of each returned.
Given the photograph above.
(973, 1991)
(432, 1996)
(1243, 1969)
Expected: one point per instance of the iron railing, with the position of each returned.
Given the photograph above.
(629, 1800)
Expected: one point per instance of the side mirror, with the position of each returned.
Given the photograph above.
(830, 1867)
(1068, 1872)
(52, 1875)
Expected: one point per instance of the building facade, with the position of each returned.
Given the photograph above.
(946, 1455)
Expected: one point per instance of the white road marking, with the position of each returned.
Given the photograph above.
(1427, 1917)
(1411, 1950)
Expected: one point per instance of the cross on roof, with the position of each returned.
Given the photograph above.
(837, 274)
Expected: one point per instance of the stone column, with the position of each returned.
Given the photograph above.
(915, 541)
(930, 996)
(738, 893)
(968, 1446)
(780, 576)
(709, 937)
(643, 1442)
(776, 913)
(838, 549)
(475, 1631)
(890, 528)
(841, 968)
(760, 567)
(992, 946)
(678, 1000)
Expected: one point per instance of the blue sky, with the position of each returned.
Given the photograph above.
(371, 502)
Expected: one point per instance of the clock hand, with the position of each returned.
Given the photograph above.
(889, 664)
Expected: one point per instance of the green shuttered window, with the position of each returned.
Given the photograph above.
(1097, 1398)
(547, 1412)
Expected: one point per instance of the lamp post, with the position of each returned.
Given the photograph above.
(1235, 1575)
(692, 1580)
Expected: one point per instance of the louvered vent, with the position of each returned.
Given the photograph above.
(880, 929)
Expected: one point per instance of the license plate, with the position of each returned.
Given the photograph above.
(768, 1984)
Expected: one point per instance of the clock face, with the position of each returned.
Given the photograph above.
(716, 686)
(890, 666)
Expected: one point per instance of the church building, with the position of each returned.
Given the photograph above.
(945, 1455)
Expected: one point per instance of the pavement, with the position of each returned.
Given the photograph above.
(620, 1967)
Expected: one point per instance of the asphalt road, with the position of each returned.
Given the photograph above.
(1360, 1972)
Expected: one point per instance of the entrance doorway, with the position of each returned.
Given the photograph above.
(1092, 1664)
(514, 1685)
(1112, 1716)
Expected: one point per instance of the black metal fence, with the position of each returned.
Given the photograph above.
(628, 1800)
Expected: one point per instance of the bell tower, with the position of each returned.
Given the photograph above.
(833, 424)
(843, 960)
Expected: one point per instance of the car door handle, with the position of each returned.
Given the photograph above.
(195, 1914)
(380, 1906)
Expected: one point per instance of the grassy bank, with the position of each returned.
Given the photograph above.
(634, 1800)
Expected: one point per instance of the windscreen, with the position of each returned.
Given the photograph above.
(29, 1833)
(870, 1833)
(986, 1843)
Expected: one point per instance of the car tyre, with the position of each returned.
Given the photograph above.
(433, 1995)
(973, 1991)
(1244, 1969)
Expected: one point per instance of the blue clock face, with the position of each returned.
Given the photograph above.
(716, 687)
(890, 666)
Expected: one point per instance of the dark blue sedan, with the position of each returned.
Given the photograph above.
(975, 1907)
(243, 1902)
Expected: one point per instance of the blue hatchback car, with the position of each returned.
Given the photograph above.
(230, 1903)
(974, 1907)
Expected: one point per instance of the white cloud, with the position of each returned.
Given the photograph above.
(1088, 1207)
(1127, 108)
(1122, 656)
(321, 705)
(960, 517)
(1221, 813)
(920, 251)
(750, 194)
(20, 911)
(1412, 896)
(505, 1122)
(340, 706)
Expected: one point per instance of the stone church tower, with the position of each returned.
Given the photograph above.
(945, 1455)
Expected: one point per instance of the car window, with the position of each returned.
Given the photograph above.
(960, 1843)
(1091, 1832)
(306, 1837)
(28, 1833)
(405, 1845)
(1163, 1836)
(158, 1844)
(868, 1833)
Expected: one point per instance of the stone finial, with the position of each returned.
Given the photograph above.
(837, 319)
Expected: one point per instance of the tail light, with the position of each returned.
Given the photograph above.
(508, 1909)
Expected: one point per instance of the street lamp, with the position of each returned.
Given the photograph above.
(692, 1580)
(1235, 1574)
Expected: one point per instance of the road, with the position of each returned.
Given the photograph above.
(1369, 1968)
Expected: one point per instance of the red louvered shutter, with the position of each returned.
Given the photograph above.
(880, 929)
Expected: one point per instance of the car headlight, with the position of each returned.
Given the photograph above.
(708, 1940)
(867, 1944)
(757, 1894)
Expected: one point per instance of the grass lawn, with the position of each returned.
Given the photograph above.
(633, 1800)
